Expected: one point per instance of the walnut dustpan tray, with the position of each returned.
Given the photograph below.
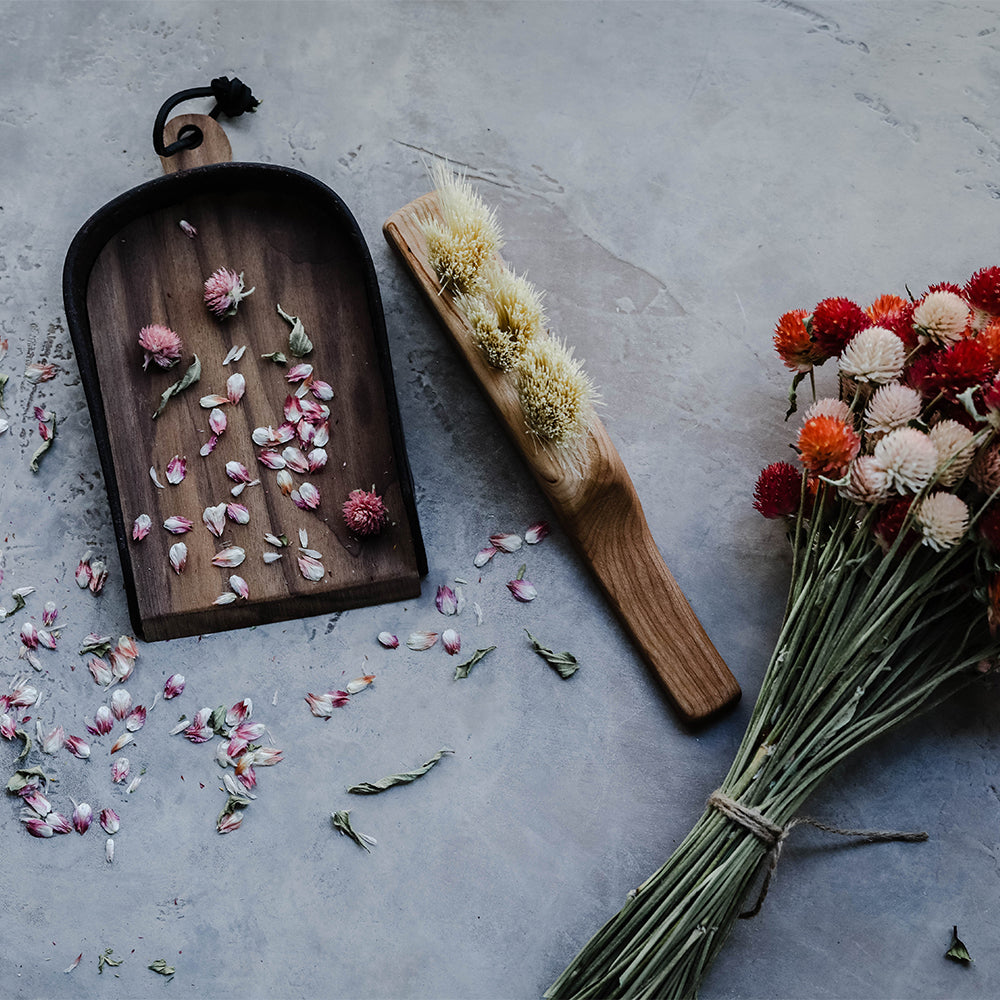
(296, 242)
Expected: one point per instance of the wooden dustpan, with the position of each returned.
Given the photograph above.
(295, 240)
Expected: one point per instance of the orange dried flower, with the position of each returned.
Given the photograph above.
(989, 339)
(794, 345)
(827, 445)
(884, 306)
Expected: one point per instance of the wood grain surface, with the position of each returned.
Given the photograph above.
(300, 255)
(599, 510)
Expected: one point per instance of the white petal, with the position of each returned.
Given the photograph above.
(270, 557)
(229, 557)
(155, 477)
(227, 598)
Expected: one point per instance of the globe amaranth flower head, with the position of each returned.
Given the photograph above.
(795, 347)
(893, 405)
(942, 518)
(951, 371)
(982, 291)
(161, 345)
(956, 450)
(826, 445)
(908, 457)
(834, 323)
(365, 512)
(873, 355)
(224, 291)
(778, 490)
(940, 318)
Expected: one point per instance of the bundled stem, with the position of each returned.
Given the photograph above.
(862, 649)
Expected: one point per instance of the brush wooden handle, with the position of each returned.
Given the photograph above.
(599, 510)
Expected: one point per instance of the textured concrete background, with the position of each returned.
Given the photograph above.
(676, 176)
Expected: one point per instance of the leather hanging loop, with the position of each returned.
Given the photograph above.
(232, 98)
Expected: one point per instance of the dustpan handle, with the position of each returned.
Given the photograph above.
(232, 98)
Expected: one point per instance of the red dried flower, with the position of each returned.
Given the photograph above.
(365, 513)
(890, 523)
(900, 322)
(989, 525)
(884, 306)
(945, 286)
(983, 290)
(778, 490)
(989, 339)
(161, 345)
(951, 371)
(794, 345)
(827, 445)
(835, 322)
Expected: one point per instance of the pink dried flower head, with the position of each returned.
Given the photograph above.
(778, 490)
(867, 482)
(873, 355)
(908, 458)
(160, 344)
(956, 450)
(224, 291)
(892, 406)
(940, 318)
(365, 513)
(942, 518)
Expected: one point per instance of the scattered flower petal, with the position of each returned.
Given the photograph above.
(140, 527)
(239, 586)
(271, 557)
(122, 741)
(506, 542)
(317, 459)
(308, 497)
(190, 232)
(120, 769)
(109, 851)
(218, 421)
(174, 686)
(136, 719)
(237, 472)
(234, 354)
(121, 703)
(212, 400)
(360, 683)
(176, 470)
(215, 519)
(421, 640)
(229, 557)
(238, 513)
(451, 640)
(78, 747)
(523, 590)
(299, 372)
(388, 640)
(39, 371)
(285, 482)
(98, 576)
(178, 525)
(537, 532)
(312, 569)
(103, 721)
(110, 820)
(52, 741)
(209, 446)
(271, 459)
(236, 386)
(155, 476)
(178, 556)
(82, 817)
(445, 601)
(295, 459)
(100, 671)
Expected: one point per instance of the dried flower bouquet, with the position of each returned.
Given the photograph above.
(894, 597)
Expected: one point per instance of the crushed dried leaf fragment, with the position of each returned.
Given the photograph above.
(342, 823)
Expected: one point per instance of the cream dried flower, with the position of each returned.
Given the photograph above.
(505, 313)
(557, 397)
(943, 518)
(956, 450)
(874, 355)
(830, 407)
(908, 458)
(940, 318)
(985, 469)
(893, 405)
(465, 237)
(867, 481)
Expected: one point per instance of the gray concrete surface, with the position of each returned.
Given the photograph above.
(676, 176)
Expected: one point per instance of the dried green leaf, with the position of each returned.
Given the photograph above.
(277, 357)
(233, 803)
(298, 343)
(342, 822)
(563, 664)
(217, 721)
(100, 647)
(18, 605)
(19, 779)
(462, 670)
(43, 447)
(188, 379)
(374, 787)
(3, 385)
(957, 952)
(160, 966)
(105, 959)
(521, 571)
(23, 735)
(793, 393)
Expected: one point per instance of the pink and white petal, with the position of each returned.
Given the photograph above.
(212, 400)
(483, 556)
(209, 446)
(239, 586)
(523, 590)
(218, 422)
(178, 557)
(537, 532)
(229, 557)
(236, 386)
(421, 640)
(451, 641)
(312, 569)
(506, 542)
(215, 519)
(238, 513)
(176, 470)
(141, 526)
